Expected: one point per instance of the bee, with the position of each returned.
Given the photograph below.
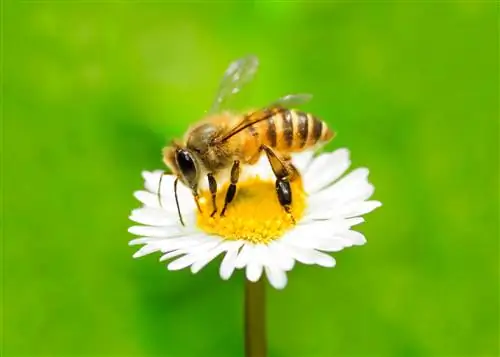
(224, 140)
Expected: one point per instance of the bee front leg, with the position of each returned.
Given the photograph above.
(231, 191)
(284, 172)
(212, 184)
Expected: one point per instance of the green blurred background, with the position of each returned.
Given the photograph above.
(94, 89)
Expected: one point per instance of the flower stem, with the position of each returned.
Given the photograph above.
(255, 319)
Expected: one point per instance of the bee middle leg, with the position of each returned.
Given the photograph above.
(285, 172)
(231, 190)
(212, 184)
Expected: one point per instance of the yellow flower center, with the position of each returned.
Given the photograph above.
(254, 215)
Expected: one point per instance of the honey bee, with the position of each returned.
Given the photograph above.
(224, 140)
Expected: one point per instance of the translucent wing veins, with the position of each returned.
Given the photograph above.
(239, 73)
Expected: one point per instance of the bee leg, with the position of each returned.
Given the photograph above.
(212, 184)
(293, 173)
(197, 201)
(283, 172)
(231, 191)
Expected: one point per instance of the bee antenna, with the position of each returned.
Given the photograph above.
(177, 201)
(158, 192)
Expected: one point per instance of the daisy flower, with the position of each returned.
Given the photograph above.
(256, 234)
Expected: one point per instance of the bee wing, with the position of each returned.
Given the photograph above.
(292, 100)
(278, 106)
(239, 73)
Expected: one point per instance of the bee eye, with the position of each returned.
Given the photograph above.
(186, 166)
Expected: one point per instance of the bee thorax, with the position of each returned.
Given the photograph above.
(200, 141)
(200, 138)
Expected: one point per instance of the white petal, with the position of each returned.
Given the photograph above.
(347, 222)
(147, 249)
(147, 198)
(325, 169)
(340, 202)
(311, 256)
(172, 254)
(353, 186)
(228, 263)
(152, 182)
(153, 217)
(355, 237)
(138, 241)
(329, 236)
(316, 167)
(261, 169)
(158, 241)
(256, 258)
(327, 243)
(160, 232)
(360, 208)
(280, 256)
(334, 244)
(193, 242)
(194, 254)
(354, 221)
(254, 271)
(211, 255)
(244, 255)
(310, 230)
(301, 161)
(276, 277)
(182, 262)
(150, 197)
(165, 245)
(152, 179)
(184, 195)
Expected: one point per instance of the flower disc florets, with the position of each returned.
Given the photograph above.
(255, 214)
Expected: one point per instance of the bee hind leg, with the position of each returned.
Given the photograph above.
(284, 172)
(231, 190)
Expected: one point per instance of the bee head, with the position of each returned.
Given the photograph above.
(183, 164)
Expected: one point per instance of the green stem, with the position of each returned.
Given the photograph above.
(255, 319)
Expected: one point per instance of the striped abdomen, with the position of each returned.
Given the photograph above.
(289, 130)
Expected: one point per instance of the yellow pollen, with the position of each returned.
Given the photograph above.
(254, 215)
